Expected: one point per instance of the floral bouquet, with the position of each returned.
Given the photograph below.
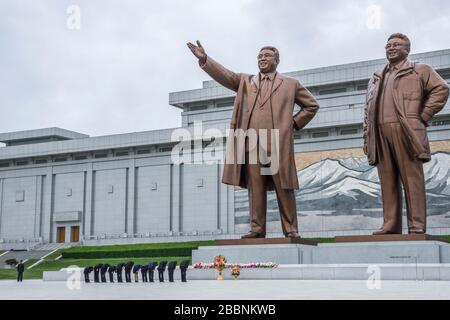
(236, 272)
(266, 265)
(220, 263)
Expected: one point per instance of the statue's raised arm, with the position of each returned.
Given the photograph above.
(222, 75)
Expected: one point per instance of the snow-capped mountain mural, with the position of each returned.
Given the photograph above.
(345, 194)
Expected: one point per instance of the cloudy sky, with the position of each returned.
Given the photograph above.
(114, 74)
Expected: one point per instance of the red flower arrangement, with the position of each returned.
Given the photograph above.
(236, 272)
(220, 263)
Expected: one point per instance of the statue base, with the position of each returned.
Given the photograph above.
(358, 251)
(264, 241)
(390, 238)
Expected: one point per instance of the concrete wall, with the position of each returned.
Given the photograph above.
(137, 195)
(110, 197)
(154, 210)
(199, 198)
(19, 212)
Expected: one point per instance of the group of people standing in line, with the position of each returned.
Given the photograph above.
(147, 271)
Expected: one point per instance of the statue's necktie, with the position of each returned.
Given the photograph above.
(265, 90)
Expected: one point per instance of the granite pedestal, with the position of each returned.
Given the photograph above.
(391, 237)
(385, 252)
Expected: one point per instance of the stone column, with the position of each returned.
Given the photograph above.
(131, 198)
(88, 215)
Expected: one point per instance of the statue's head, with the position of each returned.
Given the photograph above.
(398, 47)
(268, 59)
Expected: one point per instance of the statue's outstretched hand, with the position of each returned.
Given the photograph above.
(198, 51)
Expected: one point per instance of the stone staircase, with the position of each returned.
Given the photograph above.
(38, 252)
(22, 255)
(52, 246)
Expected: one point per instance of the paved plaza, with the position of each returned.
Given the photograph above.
(228, 290)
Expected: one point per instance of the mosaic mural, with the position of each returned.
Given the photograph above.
(339, 191)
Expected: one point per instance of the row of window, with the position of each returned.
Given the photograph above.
(321, 92)
(325, 134)
(164, 149)
(20, 195)
(317, 91)
(80, 157)
(441, 123)
(352, 131)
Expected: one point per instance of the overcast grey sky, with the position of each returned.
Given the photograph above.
(114, 74)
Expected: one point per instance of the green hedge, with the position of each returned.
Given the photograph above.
(163, 252)
(12, 262)
(142, 246)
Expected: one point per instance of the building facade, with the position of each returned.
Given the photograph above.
(62, 186)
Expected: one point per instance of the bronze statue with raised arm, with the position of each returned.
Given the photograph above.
(402, 99)
(264, 103)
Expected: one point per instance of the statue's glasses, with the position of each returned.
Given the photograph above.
(265, 55)
(394, 45)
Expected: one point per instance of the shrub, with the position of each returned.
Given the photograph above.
(12, 262)
(133, 253)
(142, 246)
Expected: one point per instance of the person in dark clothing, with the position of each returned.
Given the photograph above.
(87, 271)
(144, 271)
(103, 271)
(136, 269)
(151, 270)
(119, 269)
(171, 268)
(128, 267)
(111, 271)
(161, 269)
(183, 267)
(97, 269)
(20, 271)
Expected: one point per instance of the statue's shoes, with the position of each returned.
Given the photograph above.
(416, 231)
(383, 233)
(294, 235)
(253, 235)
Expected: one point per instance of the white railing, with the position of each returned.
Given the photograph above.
(21, 240)
(169, 234)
